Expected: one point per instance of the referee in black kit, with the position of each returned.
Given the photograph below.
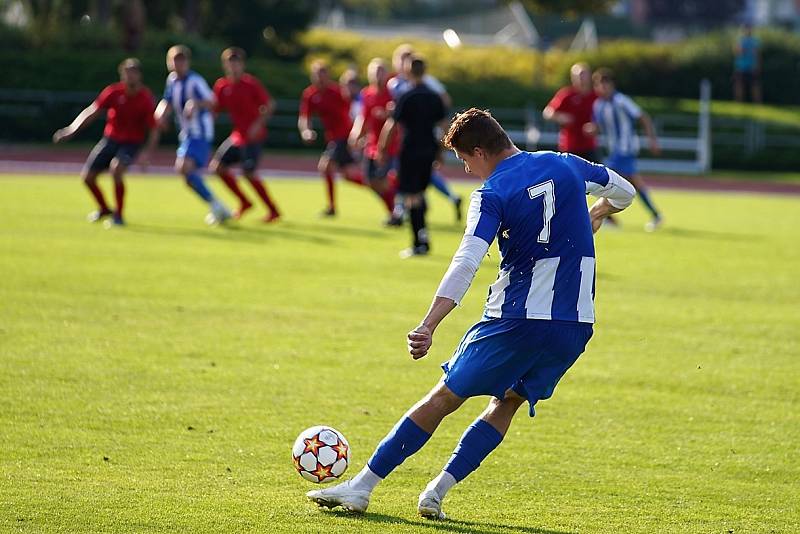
(418, 111)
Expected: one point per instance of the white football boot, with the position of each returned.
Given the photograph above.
(342, 495)
(430, 505)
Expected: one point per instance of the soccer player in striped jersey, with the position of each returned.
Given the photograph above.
(616, 116)
(539, 314)
(129, 106)
(188, 95)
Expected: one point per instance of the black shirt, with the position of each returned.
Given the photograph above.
(418, 111)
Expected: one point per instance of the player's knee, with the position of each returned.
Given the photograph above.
(443, 400)
(216, 167)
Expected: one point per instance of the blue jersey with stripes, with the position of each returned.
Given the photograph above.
(535, 204)
(177, 92)
(617, 117)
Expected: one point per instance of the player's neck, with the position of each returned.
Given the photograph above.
(497, 159)
(132, 89)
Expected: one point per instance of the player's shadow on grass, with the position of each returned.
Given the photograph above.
(447, 525)
(339, 230)
(707, 234)
(232, 233)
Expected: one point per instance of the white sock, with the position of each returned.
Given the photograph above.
(442, 484)
(365, 480)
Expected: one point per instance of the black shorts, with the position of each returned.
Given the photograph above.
(230, 154)
(339, 153)
(375, 171)
(106, 150)
(414, 173)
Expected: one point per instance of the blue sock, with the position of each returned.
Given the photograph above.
(197, 184)
(478, 441)
(644, 194)
(405, 439)
(437, 181)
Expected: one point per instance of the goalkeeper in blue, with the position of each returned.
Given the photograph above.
(539, 314)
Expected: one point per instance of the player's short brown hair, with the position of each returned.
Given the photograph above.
(418, 66)
(233, 52)
(179, 50)
(476, 128)
(318, 64)
(129, 63)
(603, 74)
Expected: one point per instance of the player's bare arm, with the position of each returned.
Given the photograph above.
(386, 133)
(193, 105)
(153, 138)
(307, 134)
(265, 112)
(162, 113)
(421, 338)
(559, 117)
(650, 130)
(358, 131)
(84, 118)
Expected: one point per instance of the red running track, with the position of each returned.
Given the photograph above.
(20, 159)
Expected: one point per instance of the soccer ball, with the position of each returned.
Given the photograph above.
(321, 454)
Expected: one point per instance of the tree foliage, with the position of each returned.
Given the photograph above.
(705, 13)
(569, 7)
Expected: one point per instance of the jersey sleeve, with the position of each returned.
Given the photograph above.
(630, 107)
(168, 89)
(103, 99)
(558, 99)
(399, 109)
(201, 89)
(435, 85)
(484, 215)
(262, 95)
(150, 118)
(601, 181)
(483, 222)
(219, 104)
(305, 105)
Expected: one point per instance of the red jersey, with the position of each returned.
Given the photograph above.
(373, 110)
(571, 137)
(129, 117)
(243, 101)
(332, 108)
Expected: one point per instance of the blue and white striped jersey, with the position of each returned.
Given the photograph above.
(617, 119)
(180, 90)
(535, 203)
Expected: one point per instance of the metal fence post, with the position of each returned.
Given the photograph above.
(704, 128)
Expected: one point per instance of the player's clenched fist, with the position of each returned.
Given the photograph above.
(419, 341)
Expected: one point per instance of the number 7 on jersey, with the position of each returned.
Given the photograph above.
(548, 192)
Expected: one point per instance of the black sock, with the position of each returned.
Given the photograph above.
(420, 233)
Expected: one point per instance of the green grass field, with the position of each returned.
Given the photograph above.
(154, 378)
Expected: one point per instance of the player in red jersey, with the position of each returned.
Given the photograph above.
(324, 98)
(250, 107)
(129, 106)
(375, 99)
(571, 108)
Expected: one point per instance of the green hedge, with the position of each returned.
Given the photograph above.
(493, 77)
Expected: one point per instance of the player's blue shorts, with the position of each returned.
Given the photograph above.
(623, 164)
(195, 149)
(528, 355)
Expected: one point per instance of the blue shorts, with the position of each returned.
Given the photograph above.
(623, 164)
(528, 355)
(195, 149)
